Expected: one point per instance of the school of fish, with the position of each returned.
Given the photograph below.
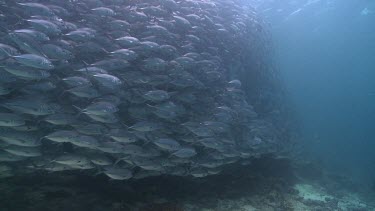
(128, 89)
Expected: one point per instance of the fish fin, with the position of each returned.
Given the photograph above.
(105, 51)
(79, 109)
(146, 143)
(171, 155)
(133, 167)
(127, 127)
(173, 93)
(150, 105)
(59, 97)
(117, 161)
(5, 29)
(9, 55)
(85, 64)
(97, 173)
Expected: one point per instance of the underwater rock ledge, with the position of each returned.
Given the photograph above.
(266, 183)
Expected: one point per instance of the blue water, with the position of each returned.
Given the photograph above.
(326, 53)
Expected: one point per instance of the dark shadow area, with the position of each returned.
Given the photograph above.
(77, 191)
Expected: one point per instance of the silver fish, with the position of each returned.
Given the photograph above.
(33, 60)
(118, 173)
(11, 120)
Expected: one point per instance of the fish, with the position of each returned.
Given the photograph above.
(131, 149)
(100, 160)
(86, 91)
(37, 9)
(71, 160)
(198, 172)
(91, 129)
(212, 143)
(4, 168)
(148, 165)
(108, 80)
(185, 152)
(157, 95)
(146, 126)
(85, 142)
(167, 144)
(37, 35)
(122, 136)
(83, 166)
(127, 41)
(111, 147)
(27, 73)
(56, 52)
(7, 51)
(60, 119)
(36, 61)
(80, 35)
(103, 11)
(9, 157)
(23, 151)
(61, 136)
(36, 107)
(100, 108)
(104, 118)
(56, 167)
(11, 120)
(45, 26)
(39, 87)
(116, 173)
(125, 54)
(20, 138)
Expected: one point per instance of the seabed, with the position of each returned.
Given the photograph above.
(266, 184)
